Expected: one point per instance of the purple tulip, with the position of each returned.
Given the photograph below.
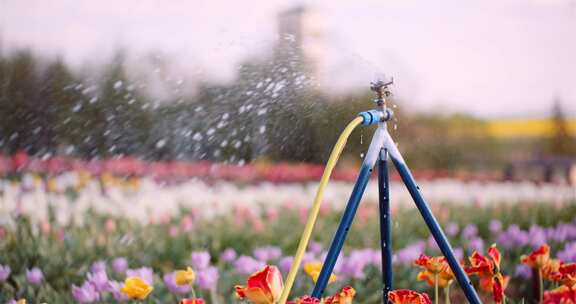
(120, 264)
(4, 272)
(458, 253)
(170, 282)
(144, 273)
(495, 226)
(98, 266)
(115, 288)
(432, 245)
(285, 263)
(451, 229)
(355, 263)
(34, 276)
(477, 244)
(99, 280)
(86, 293)
(410, 253)
(469, 231)
(568, 254)
(268, 253)
(228, 256)
(248, 265)
(523, 271)
(315, 247)
(207, 279)
(310, 257)
(200, 260)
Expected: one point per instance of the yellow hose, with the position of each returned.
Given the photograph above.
(334, 155)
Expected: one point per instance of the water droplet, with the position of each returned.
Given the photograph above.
(161, 143)
(77, 108)
(262, 129)
(361, 155)
(118, 85)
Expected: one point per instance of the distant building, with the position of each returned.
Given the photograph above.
(301, 36)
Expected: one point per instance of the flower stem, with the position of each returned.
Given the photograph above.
(213, 297)
(192, 292)
(435, 288)
(540, 286)
(447, 294)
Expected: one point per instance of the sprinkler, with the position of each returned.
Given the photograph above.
(381, 149)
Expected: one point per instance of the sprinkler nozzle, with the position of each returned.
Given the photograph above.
(381, 89)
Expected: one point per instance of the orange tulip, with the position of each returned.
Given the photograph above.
(434, 265)
(551, 270)
(488, 269)
(345, 296)
(537, 258)
(429, 278)
(561, 294)
(405, 296)
(567, 274)
(262, 287)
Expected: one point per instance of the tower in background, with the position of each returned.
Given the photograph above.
(301, 40)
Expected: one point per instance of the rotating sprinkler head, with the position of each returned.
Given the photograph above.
(382, 114)
(380, 87)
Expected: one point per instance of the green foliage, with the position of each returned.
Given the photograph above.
(65, 253)
(272, 111)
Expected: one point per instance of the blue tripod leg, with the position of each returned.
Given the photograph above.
(385, 224)
(434, 228)
(343, 227)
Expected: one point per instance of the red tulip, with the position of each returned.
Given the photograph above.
(191, 301)
(537, 258)
(262, 287)
(406, 296)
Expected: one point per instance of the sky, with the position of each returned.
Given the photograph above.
(490, 58)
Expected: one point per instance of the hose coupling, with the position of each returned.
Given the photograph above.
(374, 116)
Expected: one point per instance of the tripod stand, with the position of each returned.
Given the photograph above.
(381, 149)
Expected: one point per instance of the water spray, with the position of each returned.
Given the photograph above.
(382, 147)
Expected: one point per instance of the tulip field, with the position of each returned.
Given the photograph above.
(77, 239)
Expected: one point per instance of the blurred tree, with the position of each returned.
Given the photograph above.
(61, 96)
(122, 119)
(18, 104)
(562, 143)
(446, 142)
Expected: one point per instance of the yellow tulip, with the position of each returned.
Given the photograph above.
(313, 270)
(21, 301)
(136, 288)
(184, 277)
